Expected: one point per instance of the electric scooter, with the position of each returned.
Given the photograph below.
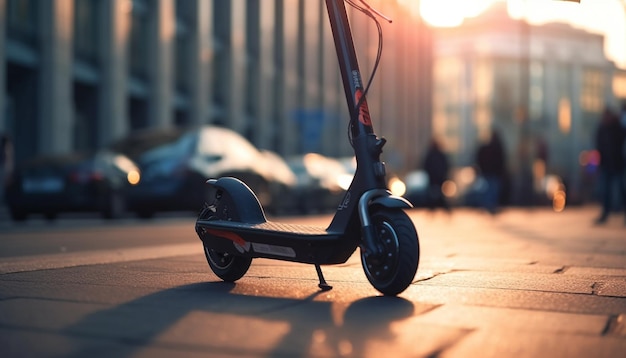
(233, 227)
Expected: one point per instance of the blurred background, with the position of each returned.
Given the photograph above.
(105, 104)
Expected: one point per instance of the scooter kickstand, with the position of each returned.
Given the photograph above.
(322, 285)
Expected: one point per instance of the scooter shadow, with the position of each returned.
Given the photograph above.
(210, 319)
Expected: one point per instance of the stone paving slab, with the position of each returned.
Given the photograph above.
(531, 300)
(518, 320)
(514, 281)
(596, 272)
(498, 343)
(521, 284)
(612, 288)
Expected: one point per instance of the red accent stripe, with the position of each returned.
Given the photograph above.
(228, 235)
(364, 111)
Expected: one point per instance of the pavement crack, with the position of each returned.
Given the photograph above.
(595, 288)
(429, 277)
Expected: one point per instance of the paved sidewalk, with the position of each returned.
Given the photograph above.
(525, 283)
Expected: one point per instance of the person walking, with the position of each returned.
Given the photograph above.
(491, 162)
(436, 166)
(609, 141)
(6, 164)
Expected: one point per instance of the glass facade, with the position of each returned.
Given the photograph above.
(183, 45)
(139, 39)
(22, 20)
(86, 39)
(265, 68)
(222, 61)
(592, 90)
(544, 100)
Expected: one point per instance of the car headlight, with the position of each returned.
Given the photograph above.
(133, 177)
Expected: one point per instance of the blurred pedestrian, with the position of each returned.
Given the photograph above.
(437, 167)
(491, 162)
(623, 116)
(6, 164)
(622, 122)
(610, 137)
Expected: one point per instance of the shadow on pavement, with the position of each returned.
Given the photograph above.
(209, 318)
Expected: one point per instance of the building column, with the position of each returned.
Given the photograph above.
(163, 27)
(237, 57)
(201, 57)
(388, 81)
(289, 59)
(113, 96)
(267, 26)
(55, 90)
(333, 103)
(577, 134)
(311, 121)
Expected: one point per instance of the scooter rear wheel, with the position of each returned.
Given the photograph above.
(393, 270)
(228, 267)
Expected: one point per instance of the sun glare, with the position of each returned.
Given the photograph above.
(448, 13)
(607, 17)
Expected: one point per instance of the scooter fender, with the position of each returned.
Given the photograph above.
(247, 205)
(374, 198)
(392, 201)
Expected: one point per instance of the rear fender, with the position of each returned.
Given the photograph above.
(243, 200)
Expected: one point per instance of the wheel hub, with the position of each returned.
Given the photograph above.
(381, 266)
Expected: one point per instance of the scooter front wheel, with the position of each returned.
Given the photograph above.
(228, 267)
(393, 270)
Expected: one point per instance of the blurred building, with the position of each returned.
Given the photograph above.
(543, 87)
(79, 74)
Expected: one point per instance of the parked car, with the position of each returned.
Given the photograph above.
(176, 163)
(416, 183)
(321, 182)
(282, 183)
(77, 182)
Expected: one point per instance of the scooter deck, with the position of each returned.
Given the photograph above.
(294, 242)
(268, 227)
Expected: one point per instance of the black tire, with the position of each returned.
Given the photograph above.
(229, 268)
(394, 270)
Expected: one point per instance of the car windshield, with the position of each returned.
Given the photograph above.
(178, 150)
(221, 141)
(136, 145)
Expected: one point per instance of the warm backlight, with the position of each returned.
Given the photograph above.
(447, 13)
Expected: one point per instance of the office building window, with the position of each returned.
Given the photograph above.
(184, 38)
(536, 95)
(592, 91)
(22, 20)
(222, 59)
(507, 91)
(139, 39)
(619, 85)
(86, 30)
